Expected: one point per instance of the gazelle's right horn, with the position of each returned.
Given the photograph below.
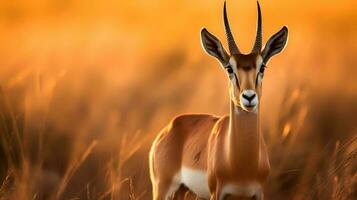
(258, 40)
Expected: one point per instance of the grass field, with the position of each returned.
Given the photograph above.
(85, 86)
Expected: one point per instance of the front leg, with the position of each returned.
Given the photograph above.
(215, 191)
(213, 196)
(259, 196)
(216, 195)
(212, 184)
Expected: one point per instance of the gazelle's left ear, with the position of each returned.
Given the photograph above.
(213, 46)
(275, 44)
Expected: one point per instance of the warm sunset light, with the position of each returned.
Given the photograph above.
(86, 86)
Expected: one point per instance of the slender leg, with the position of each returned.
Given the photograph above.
(214, 196)
(181, 194)
(185, 194)
(165, 190)
(259, 196)
(159, 191)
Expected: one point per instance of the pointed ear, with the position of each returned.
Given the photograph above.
(275, 44)
(213, 46)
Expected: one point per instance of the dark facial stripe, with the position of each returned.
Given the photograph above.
(237, 80)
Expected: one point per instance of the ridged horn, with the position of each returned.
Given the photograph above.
(231, 43)
(258, 40)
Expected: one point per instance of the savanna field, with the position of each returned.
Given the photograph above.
(85, 86)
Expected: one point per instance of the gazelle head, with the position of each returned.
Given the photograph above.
(245, 71)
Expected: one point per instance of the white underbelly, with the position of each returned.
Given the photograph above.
(196, 181)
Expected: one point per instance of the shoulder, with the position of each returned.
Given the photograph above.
(193, 118)
(221, 124)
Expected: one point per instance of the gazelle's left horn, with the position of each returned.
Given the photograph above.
(258, 40)
(231, 43)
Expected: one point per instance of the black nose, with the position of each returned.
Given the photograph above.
(249, 97)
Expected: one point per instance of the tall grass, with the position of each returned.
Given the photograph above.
(85, 88)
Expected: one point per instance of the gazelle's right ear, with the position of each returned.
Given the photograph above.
(275, 44)
(213, 46)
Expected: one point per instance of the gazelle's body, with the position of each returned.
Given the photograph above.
(180, 153)
(219, 157)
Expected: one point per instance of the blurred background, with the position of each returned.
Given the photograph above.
(86, 85)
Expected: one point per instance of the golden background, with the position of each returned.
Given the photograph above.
(85, 85)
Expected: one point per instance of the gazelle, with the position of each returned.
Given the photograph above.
(220, 157)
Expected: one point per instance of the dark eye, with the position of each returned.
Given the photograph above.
(229, 69)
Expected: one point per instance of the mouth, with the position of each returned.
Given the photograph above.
(249, 107)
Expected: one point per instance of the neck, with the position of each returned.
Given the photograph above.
(243, 139)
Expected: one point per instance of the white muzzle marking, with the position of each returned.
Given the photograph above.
(249, 99)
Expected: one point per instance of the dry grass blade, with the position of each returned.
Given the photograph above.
(73, 168)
